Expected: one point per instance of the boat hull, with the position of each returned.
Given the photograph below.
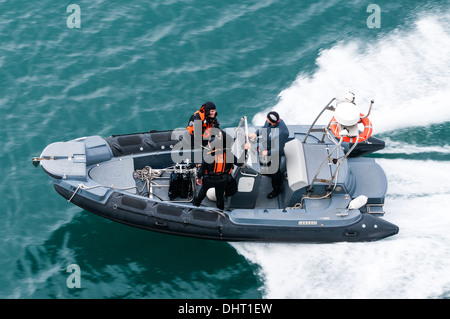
(97, 174)
(215, 225)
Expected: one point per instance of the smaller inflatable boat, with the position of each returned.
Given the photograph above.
(148, 180)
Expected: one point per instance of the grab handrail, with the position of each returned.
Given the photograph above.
(327, 107)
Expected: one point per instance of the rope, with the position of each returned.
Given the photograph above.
(146, 175)
(82, 186)
(296, 206)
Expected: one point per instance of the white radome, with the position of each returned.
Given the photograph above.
(347, 114)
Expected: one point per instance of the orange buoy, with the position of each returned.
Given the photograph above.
(364, 135)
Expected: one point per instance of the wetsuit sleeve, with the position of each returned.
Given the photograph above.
(192, 119)
(202, 169)
(284, 136)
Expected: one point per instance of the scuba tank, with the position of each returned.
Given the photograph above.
(185, 186)
(174, 185)
(181, 182)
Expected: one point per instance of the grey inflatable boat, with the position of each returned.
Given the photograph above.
(330, 192)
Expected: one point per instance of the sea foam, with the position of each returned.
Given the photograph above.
(406, 73)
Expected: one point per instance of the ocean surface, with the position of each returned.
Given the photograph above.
(135, 66)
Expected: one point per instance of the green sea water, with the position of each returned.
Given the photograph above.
(135, 66)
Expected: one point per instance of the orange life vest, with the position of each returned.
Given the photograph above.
(220, 166)
(205, 125)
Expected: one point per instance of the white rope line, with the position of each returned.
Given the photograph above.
(82, 186)
(146, 175)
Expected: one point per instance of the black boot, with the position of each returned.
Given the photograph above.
(196, 202)
(274, 193)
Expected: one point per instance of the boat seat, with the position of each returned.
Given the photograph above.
(296, 172)
(248, 181)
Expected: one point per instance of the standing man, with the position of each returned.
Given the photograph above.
(215, 171)
(273, 130)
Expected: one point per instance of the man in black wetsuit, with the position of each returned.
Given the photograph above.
(215, 170)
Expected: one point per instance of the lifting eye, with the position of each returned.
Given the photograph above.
(351, 233)
(160, 223)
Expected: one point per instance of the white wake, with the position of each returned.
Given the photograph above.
(406, 72)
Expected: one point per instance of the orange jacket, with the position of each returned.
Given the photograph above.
(200, 115)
